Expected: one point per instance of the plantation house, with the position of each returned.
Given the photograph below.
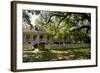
(38, 38)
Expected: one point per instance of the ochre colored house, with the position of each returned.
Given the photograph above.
(37, 37)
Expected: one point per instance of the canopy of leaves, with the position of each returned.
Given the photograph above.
(71, 26)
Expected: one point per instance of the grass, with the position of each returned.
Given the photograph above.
(58, 55)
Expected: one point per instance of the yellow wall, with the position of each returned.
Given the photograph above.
(30, 36)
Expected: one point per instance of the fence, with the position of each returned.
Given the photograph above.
(60, 46)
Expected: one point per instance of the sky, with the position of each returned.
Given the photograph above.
(33, 17)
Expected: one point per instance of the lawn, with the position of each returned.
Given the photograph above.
(57, 55)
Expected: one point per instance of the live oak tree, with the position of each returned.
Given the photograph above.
(62, 25)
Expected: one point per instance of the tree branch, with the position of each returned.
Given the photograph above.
(81, 27)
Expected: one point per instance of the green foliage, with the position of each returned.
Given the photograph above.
(58, 25)
(61, 25)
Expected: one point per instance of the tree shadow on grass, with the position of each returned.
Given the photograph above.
(58, 55)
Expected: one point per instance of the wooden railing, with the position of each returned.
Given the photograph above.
(59, 46)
